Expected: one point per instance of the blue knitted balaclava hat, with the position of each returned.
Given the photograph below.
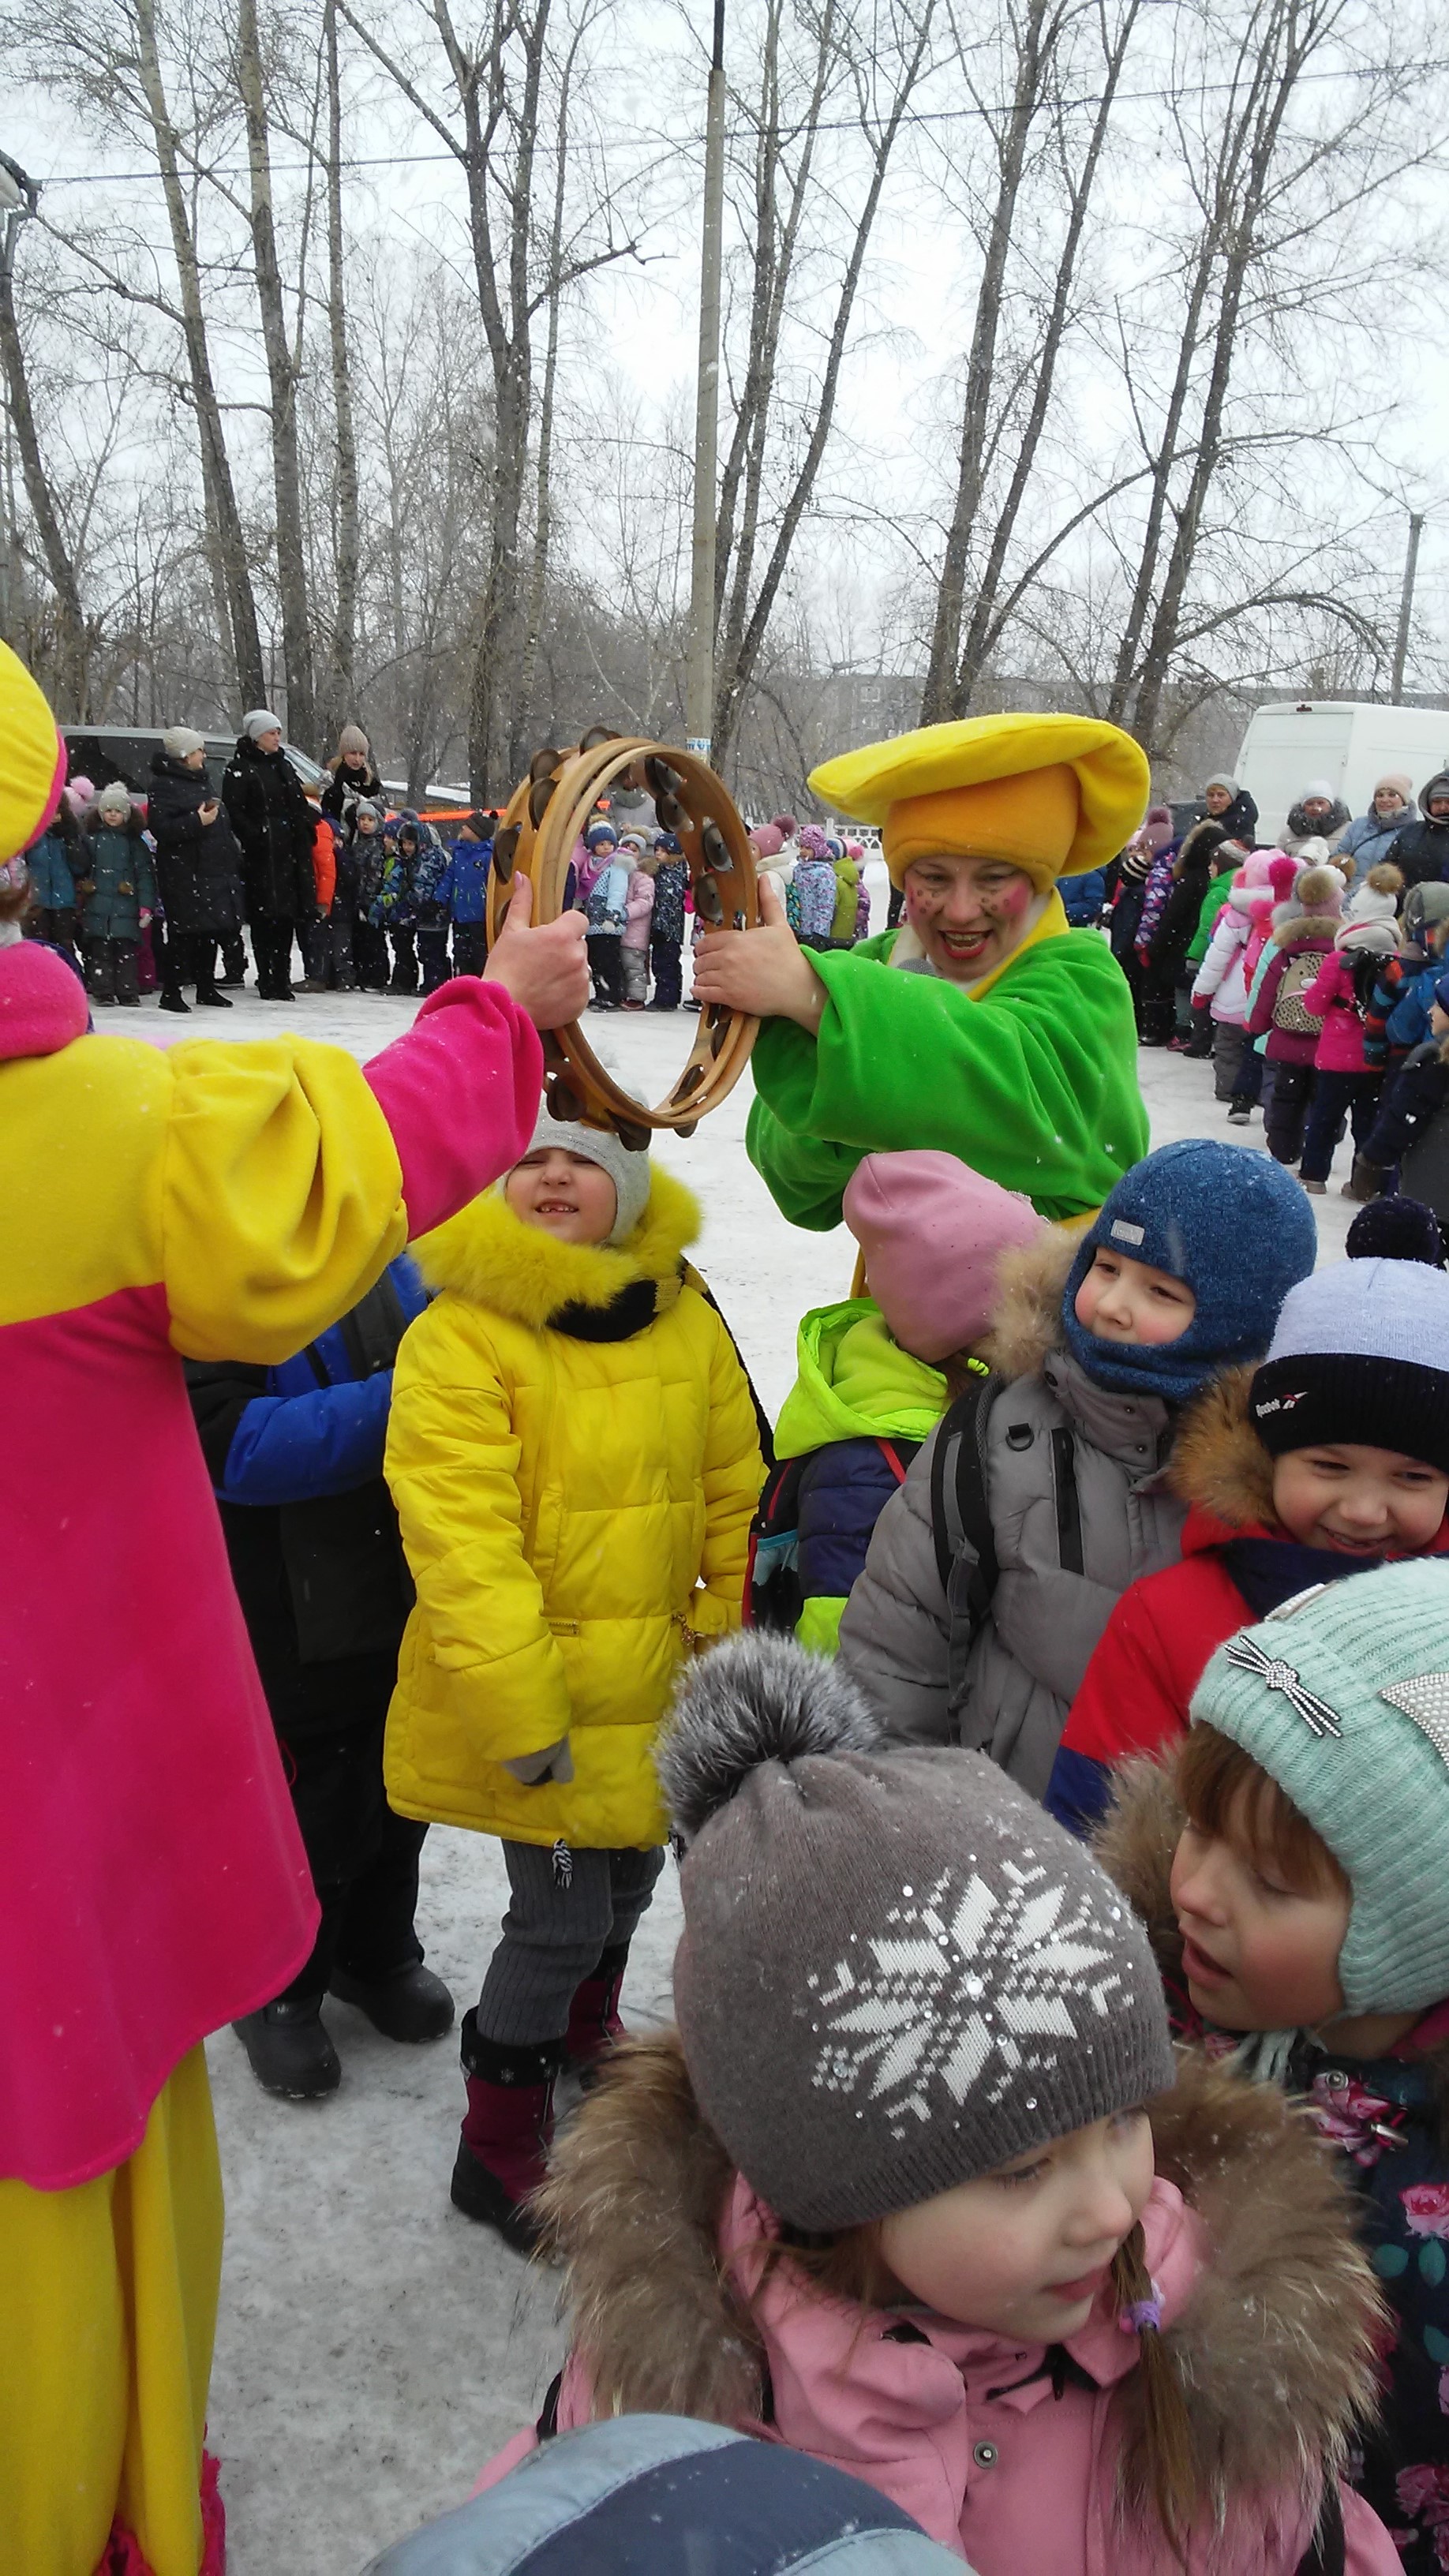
(1234, 1226)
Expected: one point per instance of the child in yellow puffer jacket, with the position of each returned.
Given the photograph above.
(574, 1455)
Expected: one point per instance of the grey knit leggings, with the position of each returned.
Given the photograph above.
(565, 1909)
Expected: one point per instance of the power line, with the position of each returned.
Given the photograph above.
(753, 128)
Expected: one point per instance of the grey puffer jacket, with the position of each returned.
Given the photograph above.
(1002, 1684)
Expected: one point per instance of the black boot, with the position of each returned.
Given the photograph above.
(210, 999)
(174, 1002)
(410, 2004)
(506, 2133)
(288, 2048)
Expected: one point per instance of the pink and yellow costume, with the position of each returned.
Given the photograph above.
(216, 1201)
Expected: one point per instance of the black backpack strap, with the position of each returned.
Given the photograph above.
(960, 1503)
(1069, 1509)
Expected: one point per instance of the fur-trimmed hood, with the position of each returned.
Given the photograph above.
(1284, 2302)
(1317, 929)
(1218, 1462)
(1030, 1286)
(489, 1256)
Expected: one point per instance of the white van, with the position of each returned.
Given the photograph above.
(1340, 739)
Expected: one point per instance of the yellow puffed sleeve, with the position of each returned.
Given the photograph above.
(281, 1196)
(453, 1459)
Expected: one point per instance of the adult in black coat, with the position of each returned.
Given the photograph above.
(271, 817)
(198, 869)
(1421, 851)
(1231, 805)
(352, 775)
(1166, 958)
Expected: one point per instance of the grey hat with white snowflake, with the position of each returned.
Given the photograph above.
(896, 1971)
(1342, 1697)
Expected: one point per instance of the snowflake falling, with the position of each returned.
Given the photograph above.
(970, 1984)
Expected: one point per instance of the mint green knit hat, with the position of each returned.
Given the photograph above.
(1342, 1697)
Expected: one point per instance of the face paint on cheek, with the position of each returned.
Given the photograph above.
(1011, 900)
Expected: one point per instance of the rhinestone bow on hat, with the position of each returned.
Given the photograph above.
(1277, 1675)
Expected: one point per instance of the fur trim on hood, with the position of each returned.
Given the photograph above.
(1135, 1842)
(1030, 1283)
(638, 2184)
(1218, 1461)
(1317, 926)
(489, 1256)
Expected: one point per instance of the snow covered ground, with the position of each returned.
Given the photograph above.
(374, 2347)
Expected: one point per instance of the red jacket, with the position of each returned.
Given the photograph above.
(324, 863)
(1137, 1689)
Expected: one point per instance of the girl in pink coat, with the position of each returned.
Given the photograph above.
(919, 2190)
(1221, 986)
(638, 922)
(1346, 1086)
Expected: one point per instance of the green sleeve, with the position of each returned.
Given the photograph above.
(818, 1627)
(1035, 1086)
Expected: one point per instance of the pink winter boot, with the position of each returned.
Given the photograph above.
(506, 2132)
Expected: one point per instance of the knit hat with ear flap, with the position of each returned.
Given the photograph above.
(896, 1971)
(1342, 1697)
(628, 1167)
(1192, 1209)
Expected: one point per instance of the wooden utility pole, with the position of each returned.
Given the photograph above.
(1406, 606)
(699, 669)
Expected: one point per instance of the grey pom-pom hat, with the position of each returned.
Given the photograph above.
(897, 1971)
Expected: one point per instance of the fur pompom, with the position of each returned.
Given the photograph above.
(754, 1699)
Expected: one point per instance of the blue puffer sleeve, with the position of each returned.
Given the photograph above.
(297, 1448)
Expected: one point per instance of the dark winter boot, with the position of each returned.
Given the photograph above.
(506, 2132)
(1364, 1182)
(410, 2004)
(174, 1002)
(210, 999)
(288, 2048)
(594, 2022)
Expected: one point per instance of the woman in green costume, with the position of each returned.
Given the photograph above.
(983, 1026)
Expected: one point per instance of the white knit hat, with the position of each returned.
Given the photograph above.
(179, 741)
(261, 720)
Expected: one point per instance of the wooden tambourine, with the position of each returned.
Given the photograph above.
(546, 814)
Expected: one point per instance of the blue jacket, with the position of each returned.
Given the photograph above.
(1083, 897)
(53, 864)
(295, 1457)
(301, 1439)
(465, 887)
(430, 875)
(1409, 1019)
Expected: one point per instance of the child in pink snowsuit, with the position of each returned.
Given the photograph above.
(918, 2189)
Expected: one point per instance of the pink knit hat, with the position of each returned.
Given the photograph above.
(932, 1232)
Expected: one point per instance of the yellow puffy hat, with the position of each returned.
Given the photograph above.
(1017, 773)
(32, 758)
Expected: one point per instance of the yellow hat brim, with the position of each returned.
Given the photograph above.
(1113, 776)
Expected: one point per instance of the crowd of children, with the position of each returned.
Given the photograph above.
(1306, 970)
(1050, 1718)
(143, 892)
(946, 2129)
